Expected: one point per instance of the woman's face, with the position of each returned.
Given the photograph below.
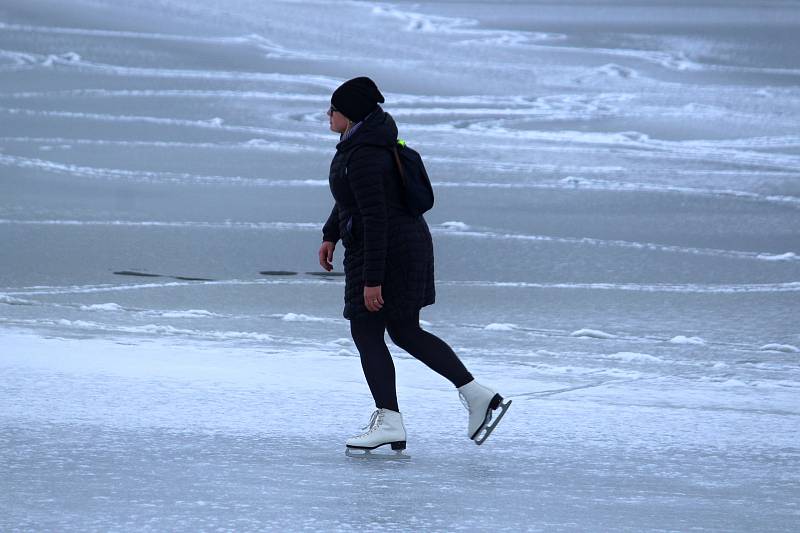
(337, 121)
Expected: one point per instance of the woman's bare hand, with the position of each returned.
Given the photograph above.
(326, 255)
(373, 299)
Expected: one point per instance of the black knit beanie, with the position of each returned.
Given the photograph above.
(356, 98)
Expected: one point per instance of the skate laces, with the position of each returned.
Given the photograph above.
(464, 401)
(374, 421)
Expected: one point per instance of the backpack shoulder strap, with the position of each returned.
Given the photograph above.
(399, 164)
(393, 148)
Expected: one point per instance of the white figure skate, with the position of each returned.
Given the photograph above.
(385, 427)
(481, 402)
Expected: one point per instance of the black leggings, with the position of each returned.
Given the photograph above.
(377, 363)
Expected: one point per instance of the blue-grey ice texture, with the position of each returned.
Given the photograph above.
(617, 235)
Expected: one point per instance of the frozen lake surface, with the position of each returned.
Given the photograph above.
(617, 233)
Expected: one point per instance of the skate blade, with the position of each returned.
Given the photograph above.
(488, 427)
(357, 453)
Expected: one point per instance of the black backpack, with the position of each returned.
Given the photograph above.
(416, 184)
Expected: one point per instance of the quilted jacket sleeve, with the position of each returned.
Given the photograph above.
(330, 231)
(365, 172)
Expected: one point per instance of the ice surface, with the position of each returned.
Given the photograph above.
(617, 240)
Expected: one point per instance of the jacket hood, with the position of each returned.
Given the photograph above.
(377, 128)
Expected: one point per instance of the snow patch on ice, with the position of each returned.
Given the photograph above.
(681, 339)
(733, 383)
(454, 225)
(558, 370)
(223, 335)
(257, 143)
(505, 39)
(418, 22)
(774, 347)
(162, 329)
(608, 73)
(790, 286)
(10, 300)
(788, 256)
(612, 70)
(574, 181)
(631, 357)
(68, 57)
(593, 333)
(612, 185)
(467, 27)
(102, 307)
(299, 317)
(618, 373)
(76, 323)
(189, 313)
(496, 326)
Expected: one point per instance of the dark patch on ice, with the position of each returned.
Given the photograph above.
(326, 274)
(133, 273)
(277, 273)
(150, 275)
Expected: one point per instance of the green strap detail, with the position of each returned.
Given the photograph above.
(401, 142)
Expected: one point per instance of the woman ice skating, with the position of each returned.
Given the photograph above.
(388, 264)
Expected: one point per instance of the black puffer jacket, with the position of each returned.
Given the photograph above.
(384, 244)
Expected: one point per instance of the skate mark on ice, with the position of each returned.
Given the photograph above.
(710, 409)
(216, 123)
(553, 392)
(300, 146)
(615, 243)
(668, 340)
(687, 288)
(446, 229)
(92, 32)
(82, 289)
